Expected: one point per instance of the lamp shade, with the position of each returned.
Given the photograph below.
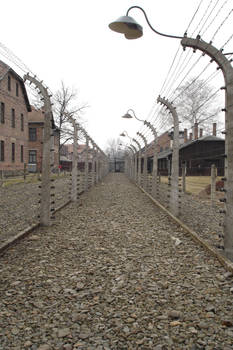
(127, 116)
(128, 26)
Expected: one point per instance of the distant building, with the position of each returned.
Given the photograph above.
(67, 156)
(35, 143)
(14, 108)
(197, 153)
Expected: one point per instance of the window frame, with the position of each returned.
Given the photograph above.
(2, 113)
(34, 138)
(12, 152)
(22, 122)
(12, 117)
(21, 153)
(17, 89)
(2, 151)
(32, 156)
(9, 83)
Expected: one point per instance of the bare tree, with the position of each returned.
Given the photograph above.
(65, 107)
(197, 102)
(113, 149)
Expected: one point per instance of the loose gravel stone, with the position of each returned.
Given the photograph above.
(107, 275)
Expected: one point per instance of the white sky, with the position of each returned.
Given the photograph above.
(70, 41)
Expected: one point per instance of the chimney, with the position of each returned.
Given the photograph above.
(185, 135)
(190, 136)
(201, 132)
(214, 129)
(195, 131)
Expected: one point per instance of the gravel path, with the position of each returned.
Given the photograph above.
(113, 273)
(199, 215)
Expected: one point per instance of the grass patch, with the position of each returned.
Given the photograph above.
(32, 178)
(194, 184)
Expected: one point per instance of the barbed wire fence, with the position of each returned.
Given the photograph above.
(210, 19)
(34, 199)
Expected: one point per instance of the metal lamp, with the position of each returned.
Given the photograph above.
(131, 29)
(128, 26)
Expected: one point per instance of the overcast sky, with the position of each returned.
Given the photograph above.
(70, 41)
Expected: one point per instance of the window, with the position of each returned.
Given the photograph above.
(2, 152)
(12, 118)
(21, 154)
(9, 83)
(32, 157)
(32, 134)
(13, 152)
(2, 113)
(17, 89)
(22, 122)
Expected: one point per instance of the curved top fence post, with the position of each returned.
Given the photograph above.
(227, 70)
(45, 179)
(175, 157)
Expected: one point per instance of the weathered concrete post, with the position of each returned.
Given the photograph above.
(74, 189)
(174, 196)
(97, 166)
(93, 165)
(130, 162)
(45, 179)
(86, 163)
(213, 184)
(227, 70)
(134, 163)
(139, 161)
(145, 174)
(155, 159)
(127, 163)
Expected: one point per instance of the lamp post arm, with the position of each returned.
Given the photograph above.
(167, 35)
(134, 114)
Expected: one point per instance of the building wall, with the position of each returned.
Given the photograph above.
(36, 120)
(15, 135)
(36, 145)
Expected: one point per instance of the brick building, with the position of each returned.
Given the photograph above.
(14, 108)
(67, 156)
(35, 143)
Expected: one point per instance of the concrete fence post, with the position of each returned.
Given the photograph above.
(145, 172)
(226, 67)
(155, 159)
(45, 180)
(93, 166)
(139, 161)
(74, 189)
(86, 163)
(174, 196)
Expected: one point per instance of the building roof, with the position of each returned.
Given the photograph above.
(4, 70)
(37, 116)
(166, 153)
(201, 139)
